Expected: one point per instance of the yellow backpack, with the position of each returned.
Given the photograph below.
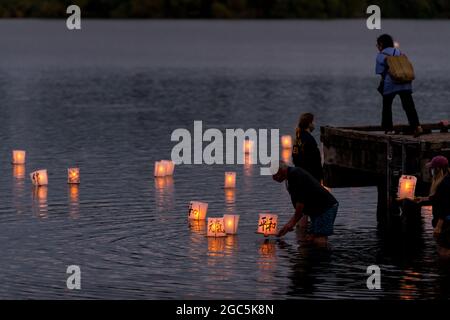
(400, 68)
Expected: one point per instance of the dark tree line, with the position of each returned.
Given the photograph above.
(227, 9)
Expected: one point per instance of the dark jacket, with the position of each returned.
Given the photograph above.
(306, 154)
(441, 201)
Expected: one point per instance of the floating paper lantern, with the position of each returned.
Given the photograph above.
(286, 142)
(73, 175)
(248, 146)
(267, 224)
(18, 157)
(169, 167)
(231, 222)
(407, 187)
(39, 178)
(160, 169)
(230, 179)
(215, 228)
(197, 210)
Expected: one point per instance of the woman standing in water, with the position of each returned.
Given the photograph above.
(305, 152)
(440, 200)
(389, 88)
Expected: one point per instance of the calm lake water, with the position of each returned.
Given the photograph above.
(107, 98)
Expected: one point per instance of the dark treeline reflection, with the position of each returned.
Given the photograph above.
(234, 9)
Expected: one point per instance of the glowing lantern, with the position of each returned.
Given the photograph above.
(169, 167)
(286, 142)
(39, 178)
(230, 179)
(73, 175)
(248, 146)
(160, 169)
(231, 222)
(216, 228)
(267, 224)
(407, 187)
(197, 210)
(18, 157)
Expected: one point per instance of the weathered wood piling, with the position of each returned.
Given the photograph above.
(365, 156)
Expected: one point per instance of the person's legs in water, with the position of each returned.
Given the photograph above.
(322, 226)
(386, 121)
(411, 112)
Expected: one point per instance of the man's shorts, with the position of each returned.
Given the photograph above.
(322, 225)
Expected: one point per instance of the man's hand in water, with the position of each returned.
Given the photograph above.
(288, 227)
(293, 221)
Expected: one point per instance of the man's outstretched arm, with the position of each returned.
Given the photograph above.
(289, 226)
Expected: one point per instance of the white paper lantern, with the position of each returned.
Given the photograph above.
(215, 228)
(286, 142)
(267, 224)
(18, 157)
(230, 180)
(231, 222)
(407, 187)
(39, 178)
(197, 210)
(160, 169)
(73, 176)
(169, 167)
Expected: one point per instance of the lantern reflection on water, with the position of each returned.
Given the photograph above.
(248, 146)
(286, 155)
(197, 210)
(215, 228)
(231, 222)
(197, 226)
(407, 187)
(286, 142)
(73, 175)
(267, 224)
(19, 171)
(40, 207)
(230, 180)
(39, 178)
(18, 157)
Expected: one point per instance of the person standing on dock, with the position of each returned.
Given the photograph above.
(389, 88)
(305, 152)
(308, 198)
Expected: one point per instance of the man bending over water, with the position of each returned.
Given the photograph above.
(308, 198)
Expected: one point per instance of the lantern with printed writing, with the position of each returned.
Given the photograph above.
(231, 222)
(267, 224)
(160, 169)
(215, 228)
(39, 178)
(18, 157)
(407, 187)
(169, 167)
(286, 142)
(197, 210)
(230, 180)
(73, 176)
(248, 146)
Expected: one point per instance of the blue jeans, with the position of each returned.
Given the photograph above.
(322, 225)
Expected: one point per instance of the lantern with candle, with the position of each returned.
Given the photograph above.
(286, 142)
(169, 167)
(267, 224)
(248, 146)
(216, 228)
(231, 222)
(160, 169)
(39, 178)
(407, 187)
(230, 179)
(73, 176)
(197, 210)
(18, 157)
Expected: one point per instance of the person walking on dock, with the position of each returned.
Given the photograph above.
(390, 87)
(305, 152)
(308, 198)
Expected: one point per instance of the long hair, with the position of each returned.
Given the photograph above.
(438, 177)
(303, 124)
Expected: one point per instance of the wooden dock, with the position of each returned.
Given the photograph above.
(365, 156)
